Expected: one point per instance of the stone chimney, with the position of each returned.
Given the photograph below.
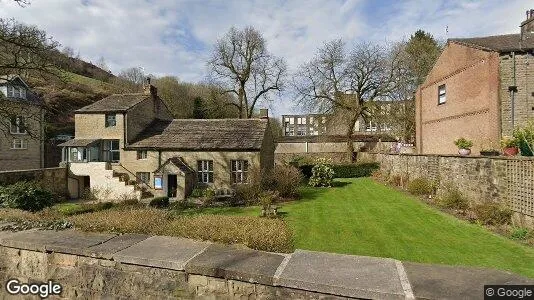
(527, 26)
(264, 113)
(148, 88)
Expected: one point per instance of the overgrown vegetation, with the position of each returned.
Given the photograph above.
(159, 202)
(525, 138)
(420, 186)
(25, 195)
(491, 213)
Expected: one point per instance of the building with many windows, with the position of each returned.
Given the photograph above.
(129, 144)
(21, 126)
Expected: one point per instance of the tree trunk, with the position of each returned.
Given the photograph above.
(350, 132)
(240, 96)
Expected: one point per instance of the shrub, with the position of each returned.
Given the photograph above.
(267, 199)
(197, 192)
(284, 179)
(398, 180)
(322, 175)
(25, 195)
(519, 234)
(491, 213)
(159, 202)
(420, 186)
(453, 198)
(129, 202)
(306, 170)
(525, 138)
(355, 170)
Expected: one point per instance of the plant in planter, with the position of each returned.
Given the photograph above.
(489, 149)
(509, 146)
(525, 138)
(464, 146)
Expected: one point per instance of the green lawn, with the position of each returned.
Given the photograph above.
(363, 217)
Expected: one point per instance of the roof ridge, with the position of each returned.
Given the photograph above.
(486, 36)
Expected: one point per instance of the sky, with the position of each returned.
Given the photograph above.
(171, 37)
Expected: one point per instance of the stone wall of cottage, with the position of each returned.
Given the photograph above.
(509, 181)
(22, 159)
(524, 97)
(55, 179)
(141, 115)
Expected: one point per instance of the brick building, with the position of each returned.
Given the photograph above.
(480, 88)
(21, 126)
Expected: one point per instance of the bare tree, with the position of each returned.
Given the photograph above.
(101, 63)
(241, 64)
(348, 81)
(28, 52)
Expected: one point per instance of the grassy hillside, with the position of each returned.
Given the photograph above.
(66, 93)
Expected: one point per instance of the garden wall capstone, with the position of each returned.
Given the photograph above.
(55, 179)
(507, 180)
(134, 266)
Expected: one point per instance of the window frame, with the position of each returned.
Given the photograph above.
(205, 171)
(142, 177)
(108, 122)
(20, 127)
(443, 88)
(142, 154)
(239, 169)
(108, 148)
(23, 144)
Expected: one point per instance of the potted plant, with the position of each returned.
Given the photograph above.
(509, 146)
(525, 138)
(489, 149)
(464, 146)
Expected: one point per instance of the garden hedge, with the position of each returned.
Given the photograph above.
(345, 170)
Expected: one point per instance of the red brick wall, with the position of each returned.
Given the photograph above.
(472, 109)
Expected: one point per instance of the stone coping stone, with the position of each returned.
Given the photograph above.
(114, 245)
(456, 282)
(343, 275)
(162, 252)
(238, 263)
(65, 241)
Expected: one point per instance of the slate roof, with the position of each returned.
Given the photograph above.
(194, 134)
(499, 43)
(31, 97)
(78, 142)
(179, 163)
(114, 103)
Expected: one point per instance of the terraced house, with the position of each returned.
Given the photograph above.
(21, 126)
(129, 145)
(480, 88)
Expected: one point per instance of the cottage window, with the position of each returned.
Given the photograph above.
(17, 125)
(301, 130)
(142, 154)
(16, 92)
(143, 177)
(19, 144)
(205, 171)
(239, 171)
(442, 98)
(111, 150)
(111, 120)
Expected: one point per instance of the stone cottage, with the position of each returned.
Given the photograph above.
(480, 88)
(21, 126)
(129, 145)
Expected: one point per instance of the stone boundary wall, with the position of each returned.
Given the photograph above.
(135, 266)
(507, 180)
(55, 179)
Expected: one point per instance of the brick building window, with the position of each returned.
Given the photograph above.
(111, 120)
(205, 171)
(442, 97)
(239, 171)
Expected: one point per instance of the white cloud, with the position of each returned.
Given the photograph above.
(169, 37)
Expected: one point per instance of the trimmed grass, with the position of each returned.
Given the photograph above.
(363, 217)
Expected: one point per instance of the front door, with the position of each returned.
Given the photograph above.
(172, 184)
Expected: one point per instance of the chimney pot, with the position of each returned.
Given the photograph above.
(264, 113)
